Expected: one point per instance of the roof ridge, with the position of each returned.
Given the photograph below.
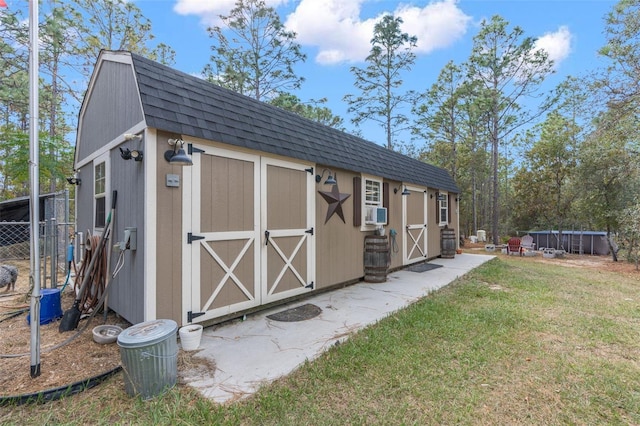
(177, 104)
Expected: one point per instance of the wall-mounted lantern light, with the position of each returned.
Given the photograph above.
(177, 156)
(405, 191)
(330, 177)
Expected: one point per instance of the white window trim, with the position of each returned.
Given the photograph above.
(363, 210)
(106, 159)
(446, 222)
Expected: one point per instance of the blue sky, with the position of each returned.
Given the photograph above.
(335, 35)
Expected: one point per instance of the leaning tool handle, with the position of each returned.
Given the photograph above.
(101, 244)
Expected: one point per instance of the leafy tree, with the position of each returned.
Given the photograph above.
(621, 80)
(608, 173)
(380, 82)
(106, 24)
(258, 58)
(311, 110)
(439, 118)
(509, 69)
(630, 233)
(71, 35)
(543, 183)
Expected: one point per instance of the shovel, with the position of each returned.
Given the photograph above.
(71, 317)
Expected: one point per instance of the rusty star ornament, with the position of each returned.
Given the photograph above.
(335, 200)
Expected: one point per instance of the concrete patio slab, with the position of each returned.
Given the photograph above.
(249, 353)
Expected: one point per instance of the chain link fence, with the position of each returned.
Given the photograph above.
(56, 234)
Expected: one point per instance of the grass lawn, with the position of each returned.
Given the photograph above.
(513, 342)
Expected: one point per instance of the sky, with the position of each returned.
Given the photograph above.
(336, 34)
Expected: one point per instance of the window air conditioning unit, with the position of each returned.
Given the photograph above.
(376, 216)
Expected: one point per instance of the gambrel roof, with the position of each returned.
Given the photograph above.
(177, 102)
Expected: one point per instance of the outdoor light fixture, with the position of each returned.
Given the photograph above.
(131, 136)
(330, 177)
(177, 156)
(405, 191)
(127, 154)
(75, 180)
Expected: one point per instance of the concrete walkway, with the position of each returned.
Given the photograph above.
(259, 350)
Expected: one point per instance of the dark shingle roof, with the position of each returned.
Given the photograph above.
(177, 102)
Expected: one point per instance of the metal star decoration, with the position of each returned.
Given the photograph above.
(335, 200)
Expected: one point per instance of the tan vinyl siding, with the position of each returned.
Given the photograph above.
(339, 245)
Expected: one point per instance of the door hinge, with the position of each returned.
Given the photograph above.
(310, 285)
(191, 238)
(309, 231)
(193, 150)
(310, 170)
(191, 315)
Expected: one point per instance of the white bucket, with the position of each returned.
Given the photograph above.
(190, 336)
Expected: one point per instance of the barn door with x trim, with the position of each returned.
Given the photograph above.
(414, 219)
(223, 243)
(287, 221)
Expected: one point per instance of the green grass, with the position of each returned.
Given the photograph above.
(513, 342)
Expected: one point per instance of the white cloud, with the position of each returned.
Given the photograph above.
(335, 27)
(337, 30)
(341, 35)
(210, 11)
(556, 44)
(436, 25)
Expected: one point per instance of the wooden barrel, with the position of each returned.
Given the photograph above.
(376, 258)
(448, 243)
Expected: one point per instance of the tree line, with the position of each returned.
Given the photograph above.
(523, 158)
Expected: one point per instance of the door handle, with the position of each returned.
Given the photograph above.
(266, 238)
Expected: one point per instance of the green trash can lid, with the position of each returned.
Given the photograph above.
(147, 333)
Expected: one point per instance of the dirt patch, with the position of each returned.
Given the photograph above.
(78, 360)
(602, 263)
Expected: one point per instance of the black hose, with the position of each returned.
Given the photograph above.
(14, 314)
(59, 392)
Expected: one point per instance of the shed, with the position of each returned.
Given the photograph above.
(253, 221)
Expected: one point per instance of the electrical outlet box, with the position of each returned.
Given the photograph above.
(131, 238)
(172, 180)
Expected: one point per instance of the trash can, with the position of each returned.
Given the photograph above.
(149, 355)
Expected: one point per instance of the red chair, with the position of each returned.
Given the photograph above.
(513, 246)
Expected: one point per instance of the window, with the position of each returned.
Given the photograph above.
(99, 194)
(443, 200)
(373, 214)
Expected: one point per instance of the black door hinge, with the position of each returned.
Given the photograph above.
(191, 238)
(310, 170)
(191, 315)
(193, 150)
(309, 231)
(310, 285)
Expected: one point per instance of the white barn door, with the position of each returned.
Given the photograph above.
(223, 241)
(249, 232)
(287, 222)
(414, 221)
